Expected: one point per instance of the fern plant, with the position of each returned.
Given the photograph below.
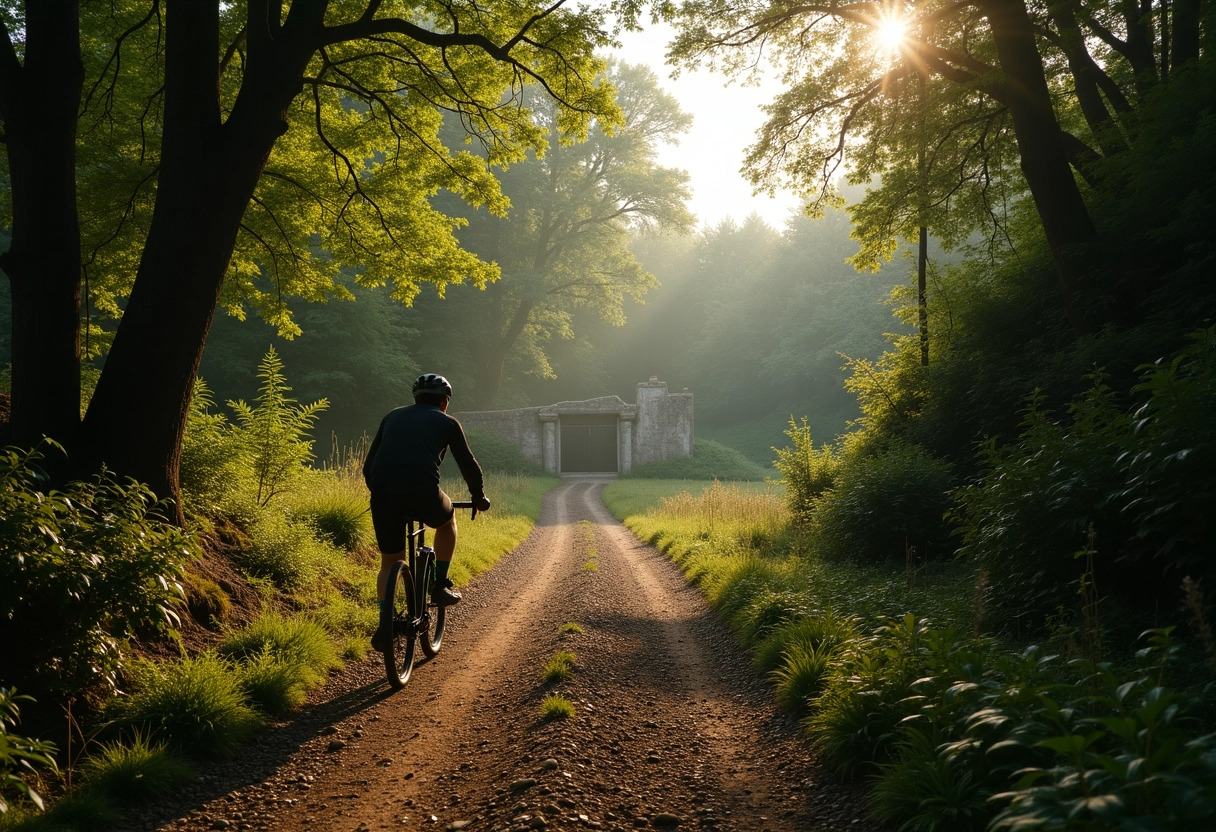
(273, 436)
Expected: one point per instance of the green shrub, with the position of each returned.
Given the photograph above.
(812, 632)
(766, 611)
(1138, 478)
(135, 770)
(806, 473)
(283, 551)
(197, 705)
(1026, 517)
(209, 455)
(18, 753)
(338, 516)
(298, 640)
(877, 683)
(801, 674)
(709, 461)
(275, 684)
(930, 789)
(1126, 757)
(883, 504)
(80, 571)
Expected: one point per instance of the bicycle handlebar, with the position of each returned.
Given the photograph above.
(466, 504)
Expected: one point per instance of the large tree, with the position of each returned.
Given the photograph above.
(246, 151)
(564, 246)
(880, 86)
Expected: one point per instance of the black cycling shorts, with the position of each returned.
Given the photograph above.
(392, 509)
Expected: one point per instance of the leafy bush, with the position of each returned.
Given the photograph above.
(209, 457)
(806, 473)
(19, 754)
(1140, 479)
(283, 551)
(882, 505)
(138, 769)
(196, 704)
(80, 571)
(1125, 757)
(709, 461)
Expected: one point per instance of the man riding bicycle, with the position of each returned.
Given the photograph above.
(402, 473)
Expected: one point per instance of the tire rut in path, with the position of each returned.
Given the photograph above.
(671, 725)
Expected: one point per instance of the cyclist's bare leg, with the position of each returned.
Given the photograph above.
(386, 563)
(444, 540)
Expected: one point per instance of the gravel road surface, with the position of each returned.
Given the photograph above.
(672, 729)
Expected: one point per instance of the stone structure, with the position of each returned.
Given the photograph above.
(603, 435)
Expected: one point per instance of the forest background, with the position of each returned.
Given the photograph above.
(1042, 417)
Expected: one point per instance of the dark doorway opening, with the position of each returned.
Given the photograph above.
(588, 444)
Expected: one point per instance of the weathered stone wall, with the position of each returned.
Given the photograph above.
(519, 427)
(658, 427)
(664, 426)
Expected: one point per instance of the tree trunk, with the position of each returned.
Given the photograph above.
(1066, 221)
(208, 173)
(495, 357)
(38, 103)
(1186, 31)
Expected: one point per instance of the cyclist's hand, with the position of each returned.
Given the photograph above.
(481, 504)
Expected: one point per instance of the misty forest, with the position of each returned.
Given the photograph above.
(952, 484)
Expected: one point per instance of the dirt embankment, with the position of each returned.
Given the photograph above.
(672, 729)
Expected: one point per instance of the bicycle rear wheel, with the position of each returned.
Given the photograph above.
(432, 624)
(399, 657)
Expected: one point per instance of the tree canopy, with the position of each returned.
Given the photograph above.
(565, 244)
(243, 153)
(945, 102)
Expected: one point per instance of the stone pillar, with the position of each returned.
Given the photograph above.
(625, 440)
(548, 443)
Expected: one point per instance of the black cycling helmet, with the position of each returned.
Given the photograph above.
(432, 384)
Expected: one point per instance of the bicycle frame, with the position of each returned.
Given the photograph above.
(411, 577)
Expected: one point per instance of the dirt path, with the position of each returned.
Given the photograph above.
(672, 728)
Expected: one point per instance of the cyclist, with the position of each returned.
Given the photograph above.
(402, 473)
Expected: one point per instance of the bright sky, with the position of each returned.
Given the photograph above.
(725, 120)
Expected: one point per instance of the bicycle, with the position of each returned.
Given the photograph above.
(407, 615)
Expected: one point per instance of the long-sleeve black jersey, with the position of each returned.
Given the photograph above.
(409, 448)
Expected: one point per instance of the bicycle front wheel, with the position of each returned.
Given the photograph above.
(399, 657)
(431, 632)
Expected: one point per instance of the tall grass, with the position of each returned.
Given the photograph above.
(738, 543)
(196, 704)
(134, 770)
(279, 660)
